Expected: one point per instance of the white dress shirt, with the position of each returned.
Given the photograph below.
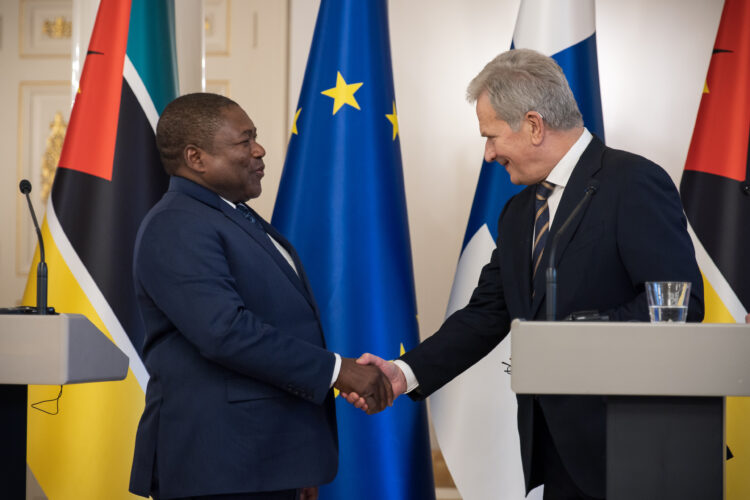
(561, 172)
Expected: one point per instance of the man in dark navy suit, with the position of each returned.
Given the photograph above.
(239, 404)
(632, 231)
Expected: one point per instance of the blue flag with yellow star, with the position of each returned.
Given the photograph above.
(341, 203)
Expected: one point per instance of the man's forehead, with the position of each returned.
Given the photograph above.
(250, 132)
(488, 119)
(237, 121)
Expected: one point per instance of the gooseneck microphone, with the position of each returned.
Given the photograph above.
(41, 269)
(551, 275)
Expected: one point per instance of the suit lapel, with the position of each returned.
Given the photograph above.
(265, 242)
(300, 276)
(587, 166)
(213, 200)
(518, 251)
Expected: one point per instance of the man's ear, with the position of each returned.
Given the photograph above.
(536, 125)
(193, 156)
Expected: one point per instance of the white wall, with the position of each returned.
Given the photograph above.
(653, 57)
(32, 89)
(255, 74)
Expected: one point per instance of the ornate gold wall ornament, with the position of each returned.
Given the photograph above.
(52, 153)
(58, 28)
(45, 27)
(216, 27)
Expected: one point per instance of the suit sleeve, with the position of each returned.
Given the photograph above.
(653, 241)
(181, 266)
(465, 337)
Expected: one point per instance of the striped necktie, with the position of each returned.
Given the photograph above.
(541, 223)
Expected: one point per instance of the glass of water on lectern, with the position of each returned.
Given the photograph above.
(668, 300)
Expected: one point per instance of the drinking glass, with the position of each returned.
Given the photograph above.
(668, 300)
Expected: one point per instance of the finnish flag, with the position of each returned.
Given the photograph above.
(475, 415)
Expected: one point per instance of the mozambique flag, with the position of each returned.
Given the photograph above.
(342, 204)
(715, 190)
(108, 177)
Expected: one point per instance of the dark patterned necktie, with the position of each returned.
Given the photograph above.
(541, 223)
(248, 214)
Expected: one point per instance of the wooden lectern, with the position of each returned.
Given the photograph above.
(45, 350)
(665, 386)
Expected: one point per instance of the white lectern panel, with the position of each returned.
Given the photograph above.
(646, 359)
(56, 349)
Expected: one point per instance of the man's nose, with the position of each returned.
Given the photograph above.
(489, 152)
(258, 151)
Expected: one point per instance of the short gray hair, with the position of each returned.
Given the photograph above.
(523, 80)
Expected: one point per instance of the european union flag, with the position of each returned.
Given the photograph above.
(341, 203)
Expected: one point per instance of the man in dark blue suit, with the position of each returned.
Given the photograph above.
(632, 231)
(239, 403)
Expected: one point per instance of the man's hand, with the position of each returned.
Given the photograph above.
(309, 493)
(391, 370)
(368, 382)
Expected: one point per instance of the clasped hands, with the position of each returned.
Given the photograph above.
(370, 383)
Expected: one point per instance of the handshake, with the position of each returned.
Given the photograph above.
(370, 383)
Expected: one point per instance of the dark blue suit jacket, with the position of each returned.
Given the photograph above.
(632, 231)
(238, 398)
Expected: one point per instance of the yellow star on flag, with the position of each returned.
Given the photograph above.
(342, 93)
(402, 351)
(393, 118)
(294, 124)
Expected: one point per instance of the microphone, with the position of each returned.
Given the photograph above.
(551, 269)
(41, 269)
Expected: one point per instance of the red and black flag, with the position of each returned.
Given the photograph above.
(715, 190)
(108, 177)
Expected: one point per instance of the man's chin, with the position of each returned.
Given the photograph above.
(520, 181)
(514, 179)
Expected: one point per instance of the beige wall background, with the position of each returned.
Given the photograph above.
(653, 56)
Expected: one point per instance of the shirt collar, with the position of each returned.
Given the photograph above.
(233, 205)
(561, 172)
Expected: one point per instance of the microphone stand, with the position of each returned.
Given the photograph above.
(551, 275)
(41, 268)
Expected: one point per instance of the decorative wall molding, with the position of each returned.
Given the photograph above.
(59, 27)
(43, 112)
(52, 152)
(216, 25)
(45, 28)
(218, 87)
